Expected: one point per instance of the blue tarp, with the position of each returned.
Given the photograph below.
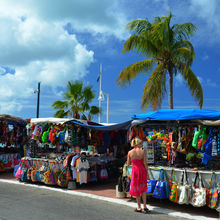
(119, 126)
(179, 114)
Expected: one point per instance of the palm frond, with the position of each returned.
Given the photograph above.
(94, 110)
(192, 82)
(134, 70)
(60, 104)
(184, 31)
(138, 26)
(61, 114)
(155, 89)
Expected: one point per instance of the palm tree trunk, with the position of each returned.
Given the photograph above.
(170, 88)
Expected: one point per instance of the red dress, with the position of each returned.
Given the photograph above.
(138, 183)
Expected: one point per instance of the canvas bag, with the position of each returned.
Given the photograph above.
(173, 188)
(198, 193)
(161, 190)
(184, 190)
(151, 183)
(19, 171)
(212, 193)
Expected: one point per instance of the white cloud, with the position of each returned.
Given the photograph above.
(39, 50)
(205, 57)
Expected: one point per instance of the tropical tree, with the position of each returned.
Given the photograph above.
(76, 102)
(167, 51)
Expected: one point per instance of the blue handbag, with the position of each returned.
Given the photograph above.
(162, 188)
(151, 183)
(151, 186)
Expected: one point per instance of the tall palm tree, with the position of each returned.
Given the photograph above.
(167, 51)
(76, 102)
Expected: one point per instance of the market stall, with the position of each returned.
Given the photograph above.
(183, 151)
(81, 151)
(12, 140)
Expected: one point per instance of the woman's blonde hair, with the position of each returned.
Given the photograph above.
(136, 141)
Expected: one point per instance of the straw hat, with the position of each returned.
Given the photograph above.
(136, 141)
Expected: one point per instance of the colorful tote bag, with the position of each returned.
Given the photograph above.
(184, 190)
(162, 189)
(198, 193)
(151, 183)
(212, 193)
(62, 178)
(49, 176)
(20, 171)
(173, 189)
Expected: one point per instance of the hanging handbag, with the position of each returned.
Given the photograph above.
(151, 183)
(173, 188)
(184, 190)
(161, 190)
(212, 193)
(19, 171)
(49, 176)
(62, 178)
(198, 193)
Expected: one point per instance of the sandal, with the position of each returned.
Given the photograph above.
(146, 211)
(138, 210)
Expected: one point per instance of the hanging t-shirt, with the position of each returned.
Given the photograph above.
(83, 167)
(73, 162)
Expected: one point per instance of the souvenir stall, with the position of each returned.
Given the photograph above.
(183, 152)
(71, 151)
(12, 140)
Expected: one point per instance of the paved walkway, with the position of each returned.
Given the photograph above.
(107, 190)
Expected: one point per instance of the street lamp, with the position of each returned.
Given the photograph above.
(38, 98)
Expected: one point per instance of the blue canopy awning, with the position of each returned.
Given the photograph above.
(179, 114)
(119, 126)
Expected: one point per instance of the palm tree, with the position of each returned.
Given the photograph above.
(76, 102)
(167, 51)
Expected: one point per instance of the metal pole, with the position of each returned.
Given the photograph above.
(100, 89)
(38, 99)
(107, 108)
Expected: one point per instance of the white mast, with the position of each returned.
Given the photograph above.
(100, 92)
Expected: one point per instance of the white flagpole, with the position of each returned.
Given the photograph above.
(100, 91)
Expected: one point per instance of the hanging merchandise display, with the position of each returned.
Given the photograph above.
(12, 141)
(184, 145)
(63, 150)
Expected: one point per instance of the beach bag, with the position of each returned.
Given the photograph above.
(19, 171)
(198, 193)
(62, 178)
(45, 135)
(49, 178)
(24, 175)
(196, 137)
(173, 188)
(15, 168)
(184, 190)
(161, 190)
(25, 170)
(212, 193)
(151, 183)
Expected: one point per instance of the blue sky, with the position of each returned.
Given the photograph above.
(55, 41)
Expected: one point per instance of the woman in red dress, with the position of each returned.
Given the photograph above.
(138, 186)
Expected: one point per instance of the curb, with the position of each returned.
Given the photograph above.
(116, 201)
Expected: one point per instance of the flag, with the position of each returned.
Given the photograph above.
(99, 77)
